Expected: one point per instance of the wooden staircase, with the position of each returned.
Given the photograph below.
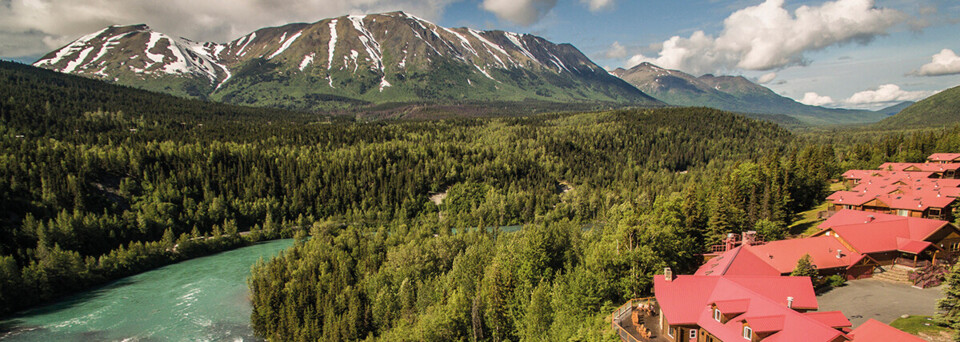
(895, 274)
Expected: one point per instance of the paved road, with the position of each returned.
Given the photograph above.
(861, 300)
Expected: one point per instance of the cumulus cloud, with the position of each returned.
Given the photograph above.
(767, 36)
(616, 51)
(598, 5)
(49, 24)
(766, 78)
(886, 94)
(944, 63)
(520, 12)
(814, 99)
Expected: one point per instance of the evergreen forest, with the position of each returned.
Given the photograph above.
(398, 224)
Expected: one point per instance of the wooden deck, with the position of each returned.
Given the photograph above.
(624, 318)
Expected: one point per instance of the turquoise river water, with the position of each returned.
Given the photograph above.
(204, 299)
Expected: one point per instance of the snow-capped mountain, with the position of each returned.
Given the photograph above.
(390, 57)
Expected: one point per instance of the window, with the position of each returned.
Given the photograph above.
(955, 247)
(903, 212)
(669, 330)
(693, 333)
(747, 333)
(716, 314)
(934, 212)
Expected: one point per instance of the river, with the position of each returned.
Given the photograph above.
(204, 299)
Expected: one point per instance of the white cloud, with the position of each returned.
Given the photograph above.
(944, 63)
(616, 51)
(814, 99)
(598, 5)
(520, 12)
(767, 36)
(52, 23)
(767, 78)
(885, 95)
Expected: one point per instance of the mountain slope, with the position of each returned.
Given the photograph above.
(390, 57)
(942, 109)
(733, 93)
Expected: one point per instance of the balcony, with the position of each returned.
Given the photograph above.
(637, 321)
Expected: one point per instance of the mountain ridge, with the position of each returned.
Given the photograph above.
(939, 110)
(732, 93)
(376, 58)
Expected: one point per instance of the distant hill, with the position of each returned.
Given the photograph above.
(942, 109)
(42, 102)
(732, 93)
(895, 109)
(346, 62)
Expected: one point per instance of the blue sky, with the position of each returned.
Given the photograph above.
(839, 53)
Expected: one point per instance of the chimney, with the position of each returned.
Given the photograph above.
(789, 302)
(839, 254)
(667, 274)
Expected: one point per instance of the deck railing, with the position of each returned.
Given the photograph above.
(627, 308)
(910, 263)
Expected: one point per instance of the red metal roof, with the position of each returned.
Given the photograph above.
(917, 225)
(762, 312)
(922, 167)
(746, 264)
(864, 174)
(834, 319)
(914, 199)
(905, 234)
(944, 157)
(823, 251)
(911, 246)
(765, 323)
(873, 330)
(683, 298)
(733, 306)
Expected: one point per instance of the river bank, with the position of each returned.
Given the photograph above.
(201, 299)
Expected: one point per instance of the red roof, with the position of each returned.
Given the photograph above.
(872, 330)
(734, 306)
(864, 174)
(746, 264)
(885, 236)
(944, 157)
(763, 314)
(834, 319)
(823, 251)
(911, 246)
(917, 200)
(847, 217)
(683, 298)
(922, 167)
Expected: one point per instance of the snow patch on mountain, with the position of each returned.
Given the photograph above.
(76, 62)
(286, 44)
(332, 45)
(307, 60)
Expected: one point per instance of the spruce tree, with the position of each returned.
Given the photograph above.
(949, 305)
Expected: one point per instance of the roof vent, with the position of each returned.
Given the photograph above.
(839, 254)
(870, 218)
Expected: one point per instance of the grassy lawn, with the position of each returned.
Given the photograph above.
(806, 223)
(918, 324)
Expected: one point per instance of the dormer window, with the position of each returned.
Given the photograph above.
(747, 333)
(716, 315)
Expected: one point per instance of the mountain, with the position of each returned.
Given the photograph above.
(896, 109)
(733, 93)
(941, 109)
(350, 60)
